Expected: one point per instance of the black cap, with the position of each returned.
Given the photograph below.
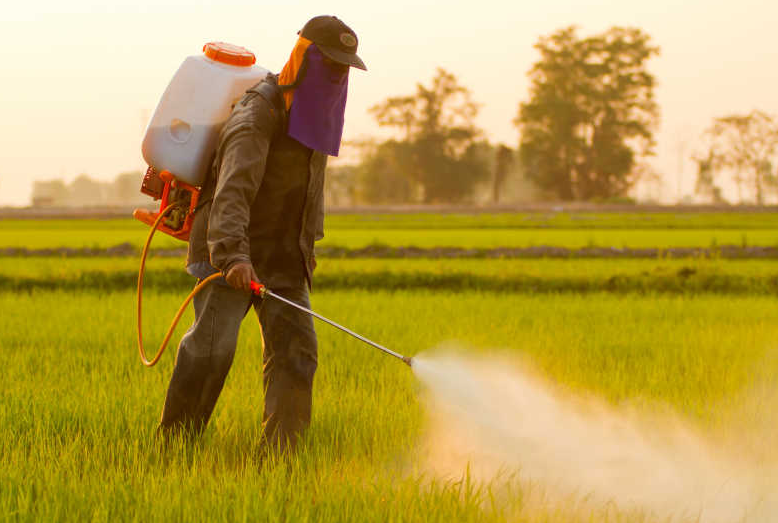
(334, 39)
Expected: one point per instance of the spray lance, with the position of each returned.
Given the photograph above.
(261, 290)
(178, 146)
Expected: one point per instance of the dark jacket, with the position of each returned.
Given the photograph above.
(264, 199)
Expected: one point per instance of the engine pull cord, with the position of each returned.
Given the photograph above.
(200, 286)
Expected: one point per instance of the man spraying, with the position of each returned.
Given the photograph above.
(261, 211)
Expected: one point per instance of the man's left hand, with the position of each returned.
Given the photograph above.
(241, 275)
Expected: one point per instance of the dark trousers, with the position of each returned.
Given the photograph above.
(206, 351)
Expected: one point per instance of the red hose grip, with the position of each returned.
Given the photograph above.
(257, 288)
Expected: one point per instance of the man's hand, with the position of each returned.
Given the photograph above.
(241, 275)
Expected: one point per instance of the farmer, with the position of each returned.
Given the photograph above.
(262, 211)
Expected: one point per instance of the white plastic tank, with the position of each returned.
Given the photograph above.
(184, 130)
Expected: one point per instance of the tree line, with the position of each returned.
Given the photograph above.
(586, 131)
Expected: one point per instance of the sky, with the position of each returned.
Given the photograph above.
(80, 78)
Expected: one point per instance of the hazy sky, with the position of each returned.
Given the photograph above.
(80, 78)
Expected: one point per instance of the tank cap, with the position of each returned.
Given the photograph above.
(229, 54)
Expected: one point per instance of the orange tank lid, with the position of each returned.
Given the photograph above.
(229, 54)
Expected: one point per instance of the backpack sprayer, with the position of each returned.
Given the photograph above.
(179, 141)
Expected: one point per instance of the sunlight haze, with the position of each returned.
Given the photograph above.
(81, 78)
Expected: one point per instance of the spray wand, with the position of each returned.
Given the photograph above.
(261, 290)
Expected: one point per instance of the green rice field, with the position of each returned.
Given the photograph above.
(695, 338)
(474, 238)
(675, 276)
(481, 231)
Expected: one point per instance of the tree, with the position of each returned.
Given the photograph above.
(340, 185)
(706, 184)
(381, 174)
(502, 163)
(591, 113)
(747, 147)
(126, 186)
(439, 146)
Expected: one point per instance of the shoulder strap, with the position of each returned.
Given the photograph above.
(270, 91)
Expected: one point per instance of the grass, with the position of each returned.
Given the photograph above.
(686, 276)
(435, 230)
(552, 220)
(557, 220)
(473, 238)
(57, 268)
(78, 410)
(572, 238)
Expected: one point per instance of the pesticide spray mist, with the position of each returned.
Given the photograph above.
(490, 418)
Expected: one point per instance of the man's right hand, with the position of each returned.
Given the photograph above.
(241, 275)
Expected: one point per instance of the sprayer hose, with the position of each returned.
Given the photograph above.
(200, 286)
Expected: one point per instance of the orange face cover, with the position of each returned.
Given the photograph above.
(290, 71)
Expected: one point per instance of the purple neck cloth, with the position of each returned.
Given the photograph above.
(316, 115)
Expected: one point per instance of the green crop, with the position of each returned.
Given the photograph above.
(430, 220)
(78, 410)
(436, 230)
(676, 276)
(557, 220)
(42, 238)
(691, 337)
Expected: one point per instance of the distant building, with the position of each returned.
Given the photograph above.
(50, 193)
(86, 192)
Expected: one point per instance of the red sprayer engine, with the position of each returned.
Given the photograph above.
(164, 186)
